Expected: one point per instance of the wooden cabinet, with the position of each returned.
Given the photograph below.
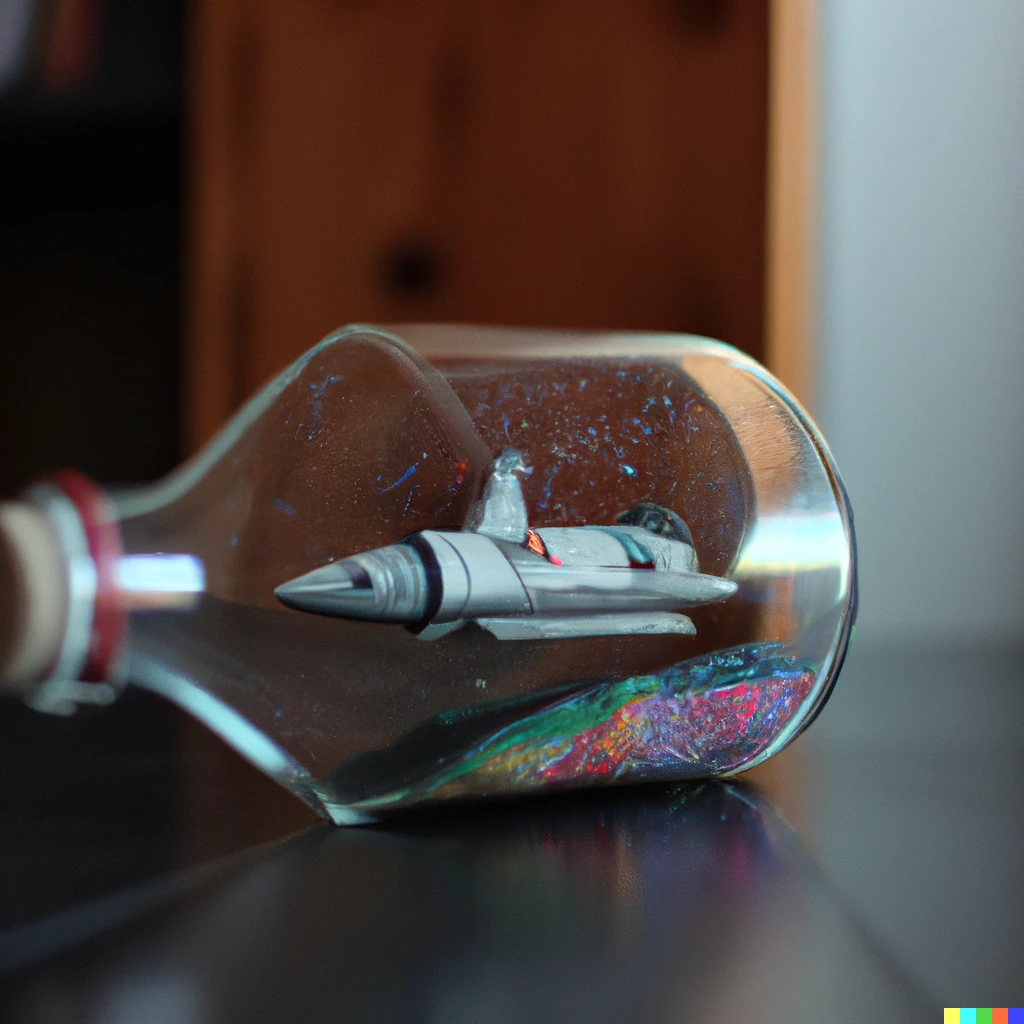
(568, 163)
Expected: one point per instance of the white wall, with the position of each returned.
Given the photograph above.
(921, 306)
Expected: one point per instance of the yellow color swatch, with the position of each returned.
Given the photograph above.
(951, 1015)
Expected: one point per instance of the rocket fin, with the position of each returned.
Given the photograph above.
(553, 627)
(437, 630)
(501, 511)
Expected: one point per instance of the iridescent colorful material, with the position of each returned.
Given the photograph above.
(705, 716)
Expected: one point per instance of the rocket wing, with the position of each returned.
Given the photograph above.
(553, 627)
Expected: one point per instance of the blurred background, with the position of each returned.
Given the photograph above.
(91, 220)
(198, 193)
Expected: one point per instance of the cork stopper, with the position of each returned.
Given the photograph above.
(33, 596)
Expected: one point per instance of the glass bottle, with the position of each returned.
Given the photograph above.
(375, 436)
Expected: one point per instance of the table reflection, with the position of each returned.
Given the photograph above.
(642, 903)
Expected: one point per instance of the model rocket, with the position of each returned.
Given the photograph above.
(519, 583)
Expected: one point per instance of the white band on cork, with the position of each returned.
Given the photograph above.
(79, 577)
(33, 596)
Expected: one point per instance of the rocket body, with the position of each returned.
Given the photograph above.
(558, 582)
(518, 583)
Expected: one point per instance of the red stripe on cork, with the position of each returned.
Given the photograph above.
(103, 536)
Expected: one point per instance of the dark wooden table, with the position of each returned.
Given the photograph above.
(872, 872)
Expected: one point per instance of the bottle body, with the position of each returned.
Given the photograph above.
(366, 441)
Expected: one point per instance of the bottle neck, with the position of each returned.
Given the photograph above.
(66, 591)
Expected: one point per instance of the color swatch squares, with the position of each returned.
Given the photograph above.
(983, 1015)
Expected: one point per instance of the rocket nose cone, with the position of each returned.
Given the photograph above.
(720, 587)
(341, 588)
(699, 588)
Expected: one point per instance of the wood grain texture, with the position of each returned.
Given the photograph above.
(562, 163)
(215, 224)
(792, 167)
